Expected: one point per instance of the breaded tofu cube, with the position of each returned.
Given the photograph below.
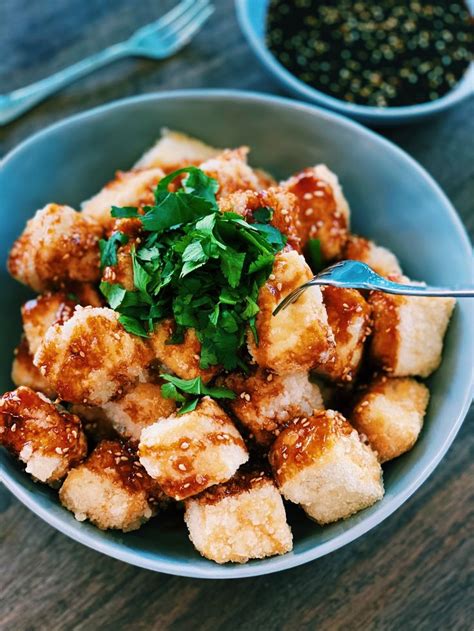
(42, 312)
(57, 246)
(175, 150)
(266, 402)
(390, 413)
(284, 205)
(128, 188)
(91, 358)
(324, 211)
(188, 453)
(240, 520)
(299, 337)
(111, 489)
(140, 406)
(25, 373)
(408, 333)
(181, 359)
(349, 319)
(232, 172)
(321, 463)
(381, 260)
(43, 436)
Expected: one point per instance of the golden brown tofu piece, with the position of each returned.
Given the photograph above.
(128, 188)
(266, 402)
(299, 337)
(239, 520)
(231, 171)
(323, 210)
(91, 358)
(188, 453)
(390, 413)
(349, 319)
(381, 260)
(111, 488)
(181, 359)
(43, 436)
(284, 206)
(321, 463)
(57, 246)
(408, 333)
(25, 373)
(42, 312)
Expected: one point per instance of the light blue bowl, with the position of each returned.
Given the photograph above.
(394, 201)
(252, 18)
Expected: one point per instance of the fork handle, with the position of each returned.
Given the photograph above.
(390, 287)
(19, 101)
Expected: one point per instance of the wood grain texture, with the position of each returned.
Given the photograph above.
(415, 571)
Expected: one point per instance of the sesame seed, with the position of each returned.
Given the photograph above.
(182, 467)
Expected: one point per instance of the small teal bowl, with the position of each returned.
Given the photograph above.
(251, 15)
(393, 200)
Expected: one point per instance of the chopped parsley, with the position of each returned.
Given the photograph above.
(314, 255)
(175, 387)
(195, 264)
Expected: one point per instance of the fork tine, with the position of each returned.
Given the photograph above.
(188, 31)
(187, 18)
(165, 20)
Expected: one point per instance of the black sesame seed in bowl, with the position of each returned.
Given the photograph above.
(378, 54)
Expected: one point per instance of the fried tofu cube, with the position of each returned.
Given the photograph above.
(408, 333)
(181, 359)
(231, 171)
(175, 150)
(349, 319)
(299, 337)
(25, 373)
(43, 436)
(381, 260)
(266, 401)
(320, 463)
(141, 406)
(91, 358)
(240, 520)
(41, 313)
(390, 413)
(57, 246)
(324, 211)
(128, 188)
(284, 205)
(186, 454)
(111, 489)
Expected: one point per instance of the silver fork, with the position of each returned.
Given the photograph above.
(357, 275)
(157, 40)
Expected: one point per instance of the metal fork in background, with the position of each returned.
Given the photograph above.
(157, 40)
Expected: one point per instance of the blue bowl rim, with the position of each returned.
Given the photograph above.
(367, 112)
(186, 569)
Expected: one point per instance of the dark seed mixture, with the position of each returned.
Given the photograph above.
(373, 53)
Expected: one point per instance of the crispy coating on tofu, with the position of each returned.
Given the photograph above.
(181, 359)
(175, 150)
(408, 333)
(323, 210)
(232, 172)
(186, 454)
(91, 358)
(111, 489)
(43, 436)
(390, 413)
(42, 312)
(321, 463)
(299, 337)
(240, 520)
(381, 260)
(283, 203)
(266, 402)
(25, 373)
(141, 406)
(57, 246)
(349, 319)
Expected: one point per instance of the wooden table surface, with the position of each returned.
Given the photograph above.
(414, 571)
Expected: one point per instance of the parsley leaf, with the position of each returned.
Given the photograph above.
(314, 255)
(263, 214)
(108, 249)
(175, 386)
(125, 212)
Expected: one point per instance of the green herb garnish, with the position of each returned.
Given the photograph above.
(175, 387)
(197, 265)
(108, 248)
(315, 257)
